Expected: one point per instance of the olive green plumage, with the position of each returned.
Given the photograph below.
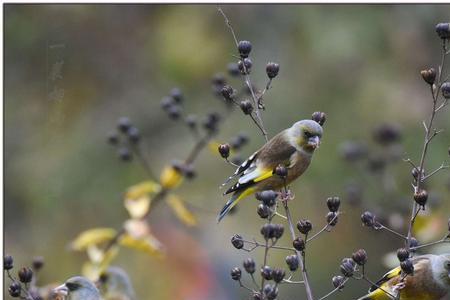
(292, 148)
(430, 280)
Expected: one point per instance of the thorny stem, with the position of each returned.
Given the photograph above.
(247, 80)
(429, 135)
(309, 294)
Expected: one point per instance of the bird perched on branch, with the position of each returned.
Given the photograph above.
(292, 148)
(429, 281)
(78, 288)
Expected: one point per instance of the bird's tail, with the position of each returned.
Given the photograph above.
(237, 196)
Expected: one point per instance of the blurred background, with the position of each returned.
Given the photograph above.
(71, 71)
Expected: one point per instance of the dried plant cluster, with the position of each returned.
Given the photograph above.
(353, 267)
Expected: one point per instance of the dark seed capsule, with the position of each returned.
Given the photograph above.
(338, 281)
(189, 171)
(443, 30)
(25, 275)
(249, 265)
(8, 262)
(407, 266)
(266, 273)
(166, 103)
(270, 291)
(124, 124)
(368, 219)
(246, 107)
(236, 273)
(319, 117)
(402, 254)
(386, 134)
(257, 296)
(38, 263)
(445, 88)
(268, 231)
(332, 218)
(245, 66)
(281, 171)
(124, 154)
(224, 150)
(267, 197)
(347, 267)
(227, 92)
(304, 226)
(174, 112)
(218, 79)
(292, 262)
(14, 289)
(113, 138)
(429, 75)
(263, 211)
(413, 244)
(333, 203)
(421, 197)
(233, 69)
(133, 135)
(278, 230)
(360, 257)
(191, 121)
(272, 69)
(176, 95)
(278, 275)
(244, 48)
(299, 244)
(237, 241)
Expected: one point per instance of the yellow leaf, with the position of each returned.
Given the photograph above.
(136, 228)
(142, 189)
(181, 210)
(170, 178)
(99, 261)
(137, 207)
(148, 244)
(92, 237)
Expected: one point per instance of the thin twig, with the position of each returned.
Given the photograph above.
(309, 294)
(325, 228)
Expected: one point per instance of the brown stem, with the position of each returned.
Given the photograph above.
(309, 294)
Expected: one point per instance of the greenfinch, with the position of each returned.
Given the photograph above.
(292, 148)
(78, 288)
(114, 284)
(429, 281)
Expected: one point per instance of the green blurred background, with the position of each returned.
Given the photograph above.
(358, 63)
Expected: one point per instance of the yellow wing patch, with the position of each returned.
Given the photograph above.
(265, 175)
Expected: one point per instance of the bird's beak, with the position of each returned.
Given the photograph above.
(61, 290)
(314, 142)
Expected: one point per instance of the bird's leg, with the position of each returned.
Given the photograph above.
(286, 195)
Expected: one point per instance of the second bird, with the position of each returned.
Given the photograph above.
(292, 148)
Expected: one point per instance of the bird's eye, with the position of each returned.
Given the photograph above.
(447, 265)
(72, 286)
(307, 134)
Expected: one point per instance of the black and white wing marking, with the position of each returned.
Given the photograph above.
(243, 168)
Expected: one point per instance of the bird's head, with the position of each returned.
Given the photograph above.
(441, 268)
(306, 135)
(114, 283)
(78, 288)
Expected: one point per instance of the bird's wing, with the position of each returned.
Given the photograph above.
(420, 264)
(386, 277)
(260, 165)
